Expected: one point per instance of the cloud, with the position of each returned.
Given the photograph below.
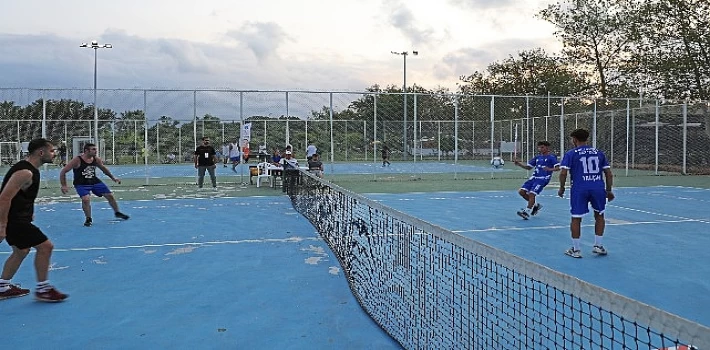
(189, 58)
(465, 61)
(262, 38)
(402, 18)
(482, 4)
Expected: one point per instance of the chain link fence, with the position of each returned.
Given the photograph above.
(162, 127)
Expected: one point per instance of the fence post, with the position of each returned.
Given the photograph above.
(658, 117)
(685, 137)
(628, 133)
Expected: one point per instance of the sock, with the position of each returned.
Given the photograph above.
(4, 285)
(598, 240)
(575, 243)
(528, 210)
(43, 286)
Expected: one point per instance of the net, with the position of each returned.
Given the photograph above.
(430, 288)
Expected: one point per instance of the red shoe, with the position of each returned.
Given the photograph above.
(50, 295)
(14, 292)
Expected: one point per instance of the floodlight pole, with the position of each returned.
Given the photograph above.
(96, 46)
(404, 55)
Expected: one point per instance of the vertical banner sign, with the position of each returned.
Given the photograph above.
(245, 132)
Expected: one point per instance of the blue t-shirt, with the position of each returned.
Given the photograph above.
(586, 166)
(539, 162)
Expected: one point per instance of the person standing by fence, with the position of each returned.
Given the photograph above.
(205, 160)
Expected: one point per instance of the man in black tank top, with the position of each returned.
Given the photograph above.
(86, 181)
(17, 196)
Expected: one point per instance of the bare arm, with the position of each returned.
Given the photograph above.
(74, 163)
(19, 180)
(609, 184)
(100, 165)
(563, 180)
(522, 165)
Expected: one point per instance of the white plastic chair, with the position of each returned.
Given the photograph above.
(263, 173)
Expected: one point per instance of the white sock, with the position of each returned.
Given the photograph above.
(598, 240)
(575, 243)
(42, 286)
(4, 285)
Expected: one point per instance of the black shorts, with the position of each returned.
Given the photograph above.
(24, 235)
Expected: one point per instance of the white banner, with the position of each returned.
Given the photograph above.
(245, 132)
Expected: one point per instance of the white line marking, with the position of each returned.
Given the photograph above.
(265, 240)
(491, 229)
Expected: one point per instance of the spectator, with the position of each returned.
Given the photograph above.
(315, 166)
(310, 151)
(291, 172)
(205, 159)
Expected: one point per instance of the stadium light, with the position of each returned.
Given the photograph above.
(404, 55)
(96, 46)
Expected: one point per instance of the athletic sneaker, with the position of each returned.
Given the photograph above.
(121, 216)
(88, 222)
(14, 292)
(523, 214)
(599, 250)
(50, 295)
(536, 209)
(574, 253)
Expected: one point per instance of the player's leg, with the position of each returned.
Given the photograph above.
(101, 190)
(213, 177)
(579, 206)
(537, 189)
(524, 191)
(85, 195)
(12, 264)
(599, 205)
(21, 237)
(201, 176)
(45, 291)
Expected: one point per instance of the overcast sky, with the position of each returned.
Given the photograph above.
(267, 44)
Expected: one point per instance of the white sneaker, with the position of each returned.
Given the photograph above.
(574, 253)
(599, 250)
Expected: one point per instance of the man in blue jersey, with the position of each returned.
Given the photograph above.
(543, 165)
(586, 165)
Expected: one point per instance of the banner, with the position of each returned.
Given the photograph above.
(245, 132)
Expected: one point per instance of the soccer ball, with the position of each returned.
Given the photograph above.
(497, 162)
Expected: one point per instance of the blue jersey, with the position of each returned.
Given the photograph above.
(586, 166)
(539, 162)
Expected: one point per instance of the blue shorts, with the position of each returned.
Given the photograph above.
(99, 189)
(535, 185)
(580, 200)
(234, 159)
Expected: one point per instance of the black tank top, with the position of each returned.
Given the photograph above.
(23, 204)
(85, 174)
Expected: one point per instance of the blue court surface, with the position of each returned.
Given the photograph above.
(657, 238)
(214, 273)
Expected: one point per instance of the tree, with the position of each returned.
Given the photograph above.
(675, 47)
(597, 36)
(533, 72)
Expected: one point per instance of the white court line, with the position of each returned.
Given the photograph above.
(659, 214)
(491, 229)
(265, 240)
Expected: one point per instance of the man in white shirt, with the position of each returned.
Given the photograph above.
(310, 151)
(234, 154)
